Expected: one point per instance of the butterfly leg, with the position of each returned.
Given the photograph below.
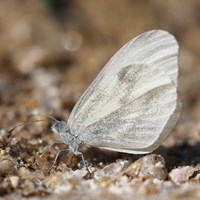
(85, 162)
(56, 158)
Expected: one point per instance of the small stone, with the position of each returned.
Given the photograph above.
(148, 167)
(24, 172)
(5, 166)
(28, 187)
(110, 170)
(80, 172)
(14, 181)
(91, 169)
(181, 175)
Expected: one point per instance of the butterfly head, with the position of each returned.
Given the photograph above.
(60, 127)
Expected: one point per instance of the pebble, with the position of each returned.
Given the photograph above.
(5, 166)
(110, 170)
(24, 172)
(14, 181)
(28, 187)
(181, 174)
(148, 167)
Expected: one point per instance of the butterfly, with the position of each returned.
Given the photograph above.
(132, 105)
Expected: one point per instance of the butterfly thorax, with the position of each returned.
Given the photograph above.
(63, 129)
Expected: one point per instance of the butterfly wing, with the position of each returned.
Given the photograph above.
(132, 105)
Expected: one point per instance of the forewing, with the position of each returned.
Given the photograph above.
(110, 109)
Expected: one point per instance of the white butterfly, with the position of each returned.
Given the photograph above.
(132, 105)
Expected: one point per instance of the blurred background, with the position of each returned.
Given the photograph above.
(50, 51)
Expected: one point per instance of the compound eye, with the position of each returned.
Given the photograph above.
(55, 127)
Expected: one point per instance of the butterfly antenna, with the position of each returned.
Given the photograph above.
(9, 133)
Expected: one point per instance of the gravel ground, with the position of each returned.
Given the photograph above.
(50, 51)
